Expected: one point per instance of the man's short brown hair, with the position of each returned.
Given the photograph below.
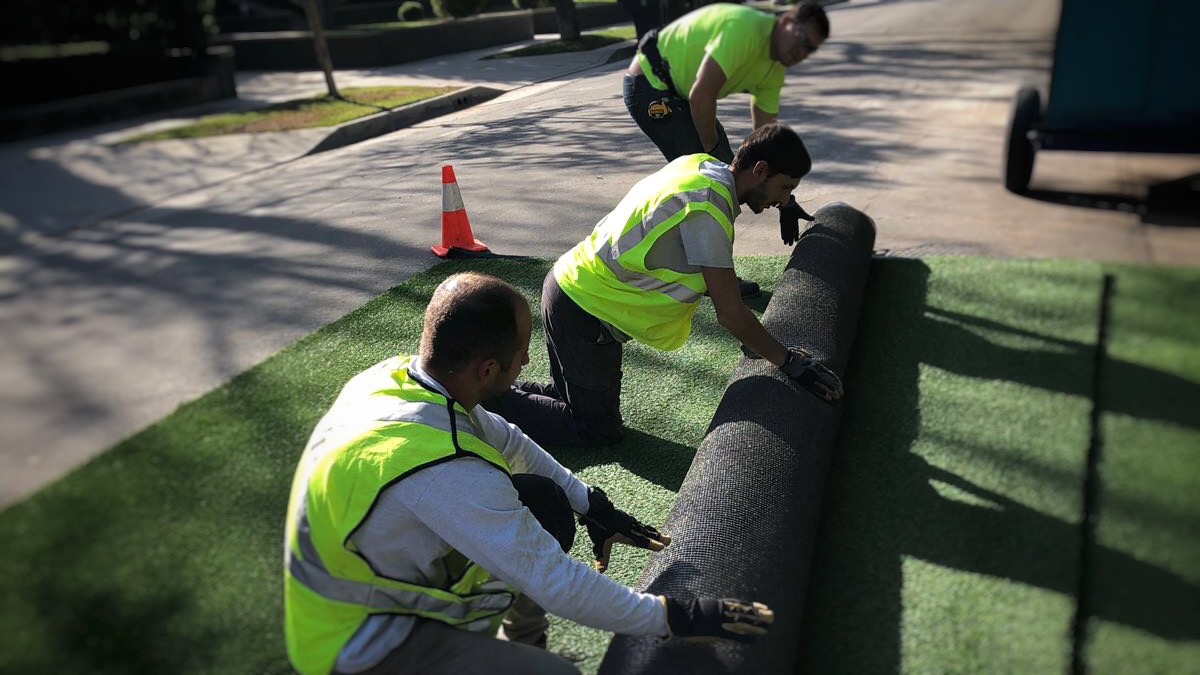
(777, 145)
(471, 316)
(810, 12)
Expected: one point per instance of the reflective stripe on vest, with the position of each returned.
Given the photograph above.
(606, 274)
(383, 427)
(388, 594)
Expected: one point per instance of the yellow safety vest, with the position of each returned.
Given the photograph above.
(384, 426)
(606, 274)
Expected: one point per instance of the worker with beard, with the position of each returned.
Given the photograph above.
(420, 525)
(640, 275)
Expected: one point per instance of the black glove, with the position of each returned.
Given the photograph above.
(789, 220)
(718, 618)
(812, 375)
(607, 525)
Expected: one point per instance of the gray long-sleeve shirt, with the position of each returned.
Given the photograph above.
(470, 506)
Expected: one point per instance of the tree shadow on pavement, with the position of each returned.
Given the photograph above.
(110, 326)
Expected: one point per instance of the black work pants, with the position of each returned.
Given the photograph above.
(675, 135)
(581, 406)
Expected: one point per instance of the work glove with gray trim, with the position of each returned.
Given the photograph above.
(812, 375)
(789, 220)
(607, 525)
(722, 618)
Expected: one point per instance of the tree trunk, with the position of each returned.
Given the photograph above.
(314, 24)
(568, 19)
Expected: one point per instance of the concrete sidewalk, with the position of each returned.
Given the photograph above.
(35, 203)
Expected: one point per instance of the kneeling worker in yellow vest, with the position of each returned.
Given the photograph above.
(641, 274)
(419, 522)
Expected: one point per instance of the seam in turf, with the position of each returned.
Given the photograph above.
(1091, 489)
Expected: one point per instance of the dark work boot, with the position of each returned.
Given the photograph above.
(749, 288)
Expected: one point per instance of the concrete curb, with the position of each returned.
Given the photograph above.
(624, 53)
(386, 122)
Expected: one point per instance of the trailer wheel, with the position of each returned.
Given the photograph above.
(1019, 164)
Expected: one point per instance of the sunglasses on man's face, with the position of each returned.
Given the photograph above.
(809, 47)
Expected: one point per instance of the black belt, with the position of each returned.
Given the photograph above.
(648, 45)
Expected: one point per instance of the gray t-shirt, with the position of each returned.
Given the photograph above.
(470, 506)
(699, 240)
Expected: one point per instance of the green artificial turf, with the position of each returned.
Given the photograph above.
(1145, 607)
(950, 530)
(952, 533)
(952, 526)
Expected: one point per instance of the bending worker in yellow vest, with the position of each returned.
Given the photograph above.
(673, 83)
(641, 274)
(417, 519)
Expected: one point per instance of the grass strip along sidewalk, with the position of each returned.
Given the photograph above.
(952, 532)
(318, 111)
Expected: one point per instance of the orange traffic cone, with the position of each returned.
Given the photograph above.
(456, 229)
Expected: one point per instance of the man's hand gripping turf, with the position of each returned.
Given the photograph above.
(717, 618)
(813, 375)
(607, 525)
(790, 215)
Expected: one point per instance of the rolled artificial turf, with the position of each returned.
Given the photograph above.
(751, 501)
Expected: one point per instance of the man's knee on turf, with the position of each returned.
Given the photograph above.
(549, 505)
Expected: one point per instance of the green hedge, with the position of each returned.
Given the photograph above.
(135, 23)
(411, 10)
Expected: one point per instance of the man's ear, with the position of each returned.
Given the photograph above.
(485, 369)
(761, 169)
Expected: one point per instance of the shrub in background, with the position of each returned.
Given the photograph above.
(530, 4)
(152, 24)
(457, 8)
(410, 10)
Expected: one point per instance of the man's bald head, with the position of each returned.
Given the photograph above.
(471, 316)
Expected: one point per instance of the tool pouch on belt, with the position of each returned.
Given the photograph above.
(648, 45)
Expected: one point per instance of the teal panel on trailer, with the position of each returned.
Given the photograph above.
(1126, 65)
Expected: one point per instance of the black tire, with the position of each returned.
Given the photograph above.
(1019, 163)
